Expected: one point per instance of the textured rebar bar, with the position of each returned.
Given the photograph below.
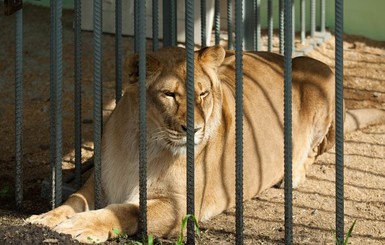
(189, 25)
(249, 25)
(19, 108)
(288, 122)
(56, 101)
(203, 23)
(303, 21)
(239, 122)
(281, 27)
(97, 100)
(217, 21)
(270, 25)
(312, 17)
(78, 94)
(339, 64)
(118, 50)
(155, 25)
(322, 15)
(141, 40)
(257, 25)
(229, 24)
(169, 23)
(293, 23)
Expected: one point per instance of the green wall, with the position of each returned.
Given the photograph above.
(364, 18)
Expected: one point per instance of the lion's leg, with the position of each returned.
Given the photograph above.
(82, 200)
(163, 217)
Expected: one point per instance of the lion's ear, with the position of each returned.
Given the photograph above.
(132, 67)
(212, 55)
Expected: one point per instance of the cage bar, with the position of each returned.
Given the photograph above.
(270, 25)
(155, 25)
(312, 18)
(203, 23)
(19, 109)
(189, 25)
(56, 101)
(303, 21)
(78, 96)
(288, 121)
(229, 24)
(239, 122)
(118, 50)
(97, 99)
(169, 23)
(322, 15)
(281, 27)
(339, 64)
(217, 20)
(257, 25)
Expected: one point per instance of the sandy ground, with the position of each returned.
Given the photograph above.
(314, 202)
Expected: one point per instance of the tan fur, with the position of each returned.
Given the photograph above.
(313, 124)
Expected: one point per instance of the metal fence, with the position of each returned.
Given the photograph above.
(247, 15)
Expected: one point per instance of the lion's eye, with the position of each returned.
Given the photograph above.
(169, 94)
(204, 94)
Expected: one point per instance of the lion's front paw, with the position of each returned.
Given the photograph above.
(87, 227)
(52, 218)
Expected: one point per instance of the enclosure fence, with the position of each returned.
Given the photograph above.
(247, 17)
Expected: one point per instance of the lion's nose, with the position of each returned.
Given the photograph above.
(184, 128)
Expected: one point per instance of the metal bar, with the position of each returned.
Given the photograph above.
(339, 64)
(239, 122)
(270, 25)
(303, 21)
(249, 25)
(141, 40)
(323, 17)
(217, 18)
(257, 44)
(56, 101)
(312, 18)
(189, 25)
(19, 108)
(155, 25)
(78, 94)
(288, 122)
(169, 23)
(293, 22)
(281, 27)
(97, 99)
(229, 24)
(118, 50)
(203, 23)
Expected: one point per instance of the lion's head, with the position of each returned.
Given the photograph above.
(167, 99)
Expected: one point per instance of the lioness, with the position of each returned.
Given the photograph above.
(313, 125)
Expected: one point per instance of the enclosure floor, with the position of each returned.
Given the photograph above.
(314, 202)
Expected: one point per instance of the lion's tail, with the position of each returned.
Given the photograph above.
(361, 118)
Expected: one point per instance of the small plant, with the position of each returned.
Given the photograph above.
(348, 235)
(184, 223)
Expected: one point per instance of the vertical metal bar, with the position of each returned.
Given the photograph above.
(56, 101)
(190, 115)
(303, 21)
(270, 25)
(257, 44)
(136, 24)
(141, 40)
(281, 26)
(230, 24)
(118, 50)
(293, 22)
(19, 108)
(323, 18)
(97, 99)
(249, 25)
(78, 98)
(217, 17)
(203, 23)
(339, 64)
(312, 18)
(288, 122)
(169, 23)
(239, 122)
(155, 25)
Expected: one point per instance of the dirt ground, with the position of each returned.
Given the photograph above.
(314, 202)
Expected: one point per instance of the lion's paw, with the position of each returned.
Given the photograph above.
(51, 218)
